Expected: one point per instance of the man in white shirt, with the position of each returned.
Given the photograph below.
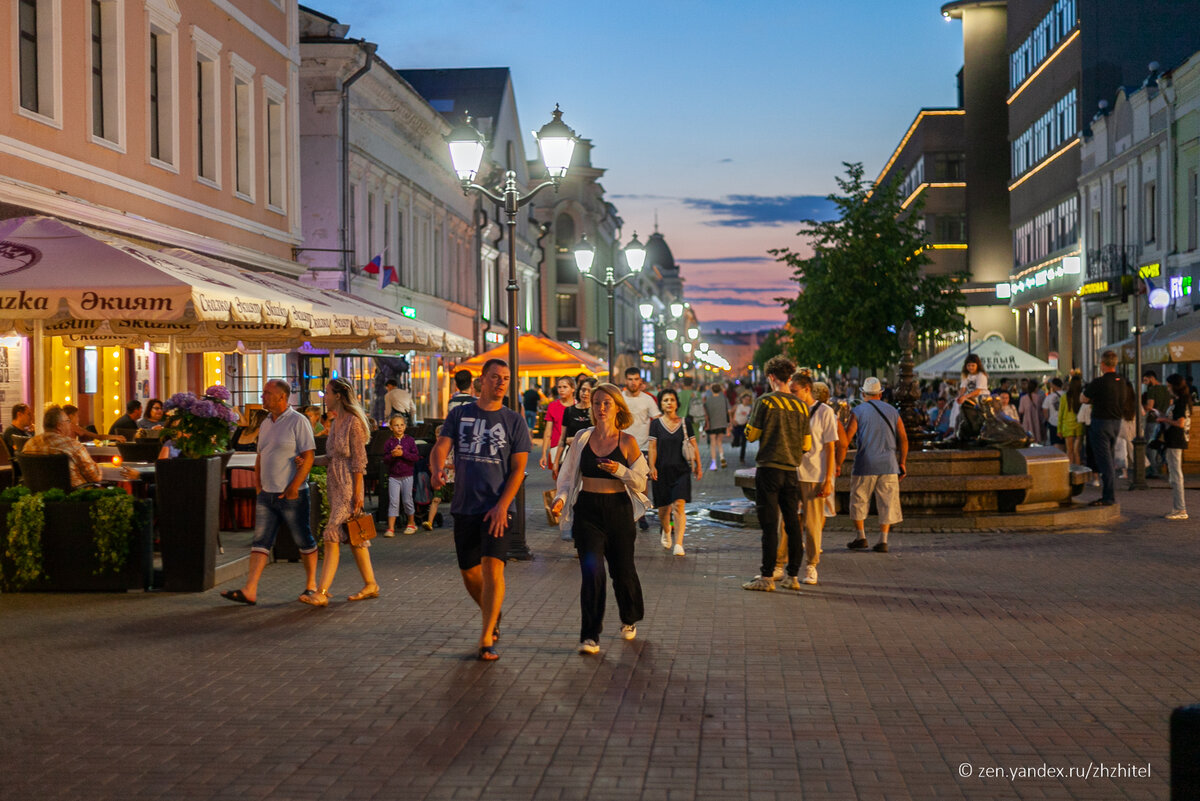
(1050, 409)
(816, 472)
(398, 401)
(644, 409)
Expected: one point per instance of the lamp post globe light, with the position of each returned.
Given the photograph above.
(556, 141)
(635, 257)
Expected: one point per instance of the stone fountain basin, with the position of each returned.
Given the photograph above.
(984, 488)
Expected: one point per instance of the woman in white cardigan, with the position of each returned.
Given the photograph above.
(601, 489)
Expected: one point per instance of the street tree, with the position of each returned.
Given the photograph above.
(865, 278)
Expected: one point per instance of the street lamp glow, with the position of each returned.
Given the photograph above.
(585, 254)
(635, 254)
(647, 310)
(703, 347)
(466, 150)
(693, 333)
(557, 143)
(687, 347)
(676, 309)
(671, 334)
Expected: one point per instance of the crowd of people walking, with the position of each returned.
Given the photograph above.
(616, 453)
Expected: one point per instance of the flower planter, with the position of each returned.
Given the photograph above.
(188, 499)
(69, 552)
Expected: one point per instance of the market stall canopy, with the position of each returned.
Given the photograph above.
(95, 288)
(998, 357)
(540, 357)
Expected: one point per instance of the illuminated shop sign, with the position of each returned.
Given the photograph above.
(1150, 270)
(1061, 269)
(1179, 286)
(1095, 288)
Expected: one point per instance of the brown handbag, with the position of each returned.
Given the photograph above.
(361, 529)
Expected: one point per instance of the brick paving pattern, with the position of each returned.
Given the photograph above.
(999, 650)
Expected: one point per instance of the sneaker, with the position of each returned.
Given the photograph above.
(664, 537)
(642, 524)
(791, 583)
(712, 465)
(389, 533)
(859, 544)
(880, 547)
(810, 574)
(723, 465)
(589, 647)
(678, 549)
(760, 584)
(628, 632)
(778, 574)
(427, 525)
(1177, 516)
(410, 529)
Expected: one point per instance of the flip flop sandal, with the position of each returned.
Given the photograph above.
(238, 597)
(496, 631)
(488, 654)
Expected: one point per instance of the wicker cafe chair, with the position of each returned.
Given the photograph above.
(7, 468)
(41, 472)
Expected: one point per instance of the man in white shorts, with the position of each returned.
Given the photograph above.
(878, 465)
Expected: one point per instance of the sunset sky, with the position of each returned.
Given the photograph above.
(727, 121)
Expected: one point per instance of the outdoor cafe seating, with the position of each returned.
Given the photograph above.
(42, 472)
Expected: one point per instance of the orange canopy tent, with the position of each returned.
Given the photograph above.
(540, 357)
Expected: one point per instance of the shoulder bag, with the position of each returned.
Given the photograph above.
(361, 528)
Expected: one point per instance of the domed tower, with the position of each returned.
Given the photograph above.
(662, 269)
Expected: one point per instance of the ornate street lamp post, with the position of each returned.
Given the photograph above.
(635, 257)
(557, 143)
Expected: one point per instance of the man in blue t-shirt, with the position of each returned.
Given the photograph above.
(491, 446)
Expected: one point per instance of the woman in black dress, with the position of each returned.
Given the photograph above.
(670, 470)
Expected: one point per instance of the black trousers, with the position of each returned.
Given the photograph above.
(604, 529)
(777, 492)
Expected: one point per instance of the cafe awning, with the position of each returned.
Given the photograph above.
(1177, 341)
(340, 319)
(540, 357)
(52, 270)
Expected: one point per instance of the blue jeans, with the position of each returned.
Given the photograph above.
(270, 510)
(531, 418)
(1102, 440)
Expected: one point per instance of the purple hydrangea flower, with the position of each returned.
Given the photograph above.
(218, 392)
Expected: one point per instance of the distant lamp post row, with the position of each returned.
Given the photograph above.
(556, 141)
(635, 257)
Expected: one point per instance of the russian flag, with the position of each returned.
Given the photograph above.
(387, 275)
(373, 265)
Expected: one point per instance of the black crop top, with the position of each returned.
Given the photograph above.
(589, 466)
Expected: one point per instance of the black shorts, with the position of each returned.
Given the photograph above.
(472, 541)
(715, 431)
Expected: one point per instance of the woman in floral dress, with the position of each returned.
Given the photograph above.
(345, 461)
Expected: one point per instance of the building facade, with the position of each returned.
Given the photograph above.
(171, 124)
(377, 183)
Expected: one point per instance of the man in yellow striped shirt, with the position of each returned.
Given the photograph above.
(779, 423)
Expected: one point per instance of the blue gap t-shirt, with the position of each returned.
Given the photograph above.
(483, 443)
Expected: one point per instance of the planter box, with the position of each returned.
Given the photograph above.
(188, 498)
(69, 553)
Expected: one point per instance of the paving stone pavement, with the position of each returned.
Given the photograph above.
(900, 676)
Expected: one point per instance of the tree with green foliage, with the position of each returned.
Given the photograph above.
(772, 345)
(865, 279)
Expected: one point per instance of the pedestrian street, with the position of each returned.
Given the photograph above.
(895, 677)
